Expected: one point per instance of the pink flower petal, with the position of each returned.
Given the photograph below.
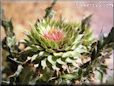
(54, 34)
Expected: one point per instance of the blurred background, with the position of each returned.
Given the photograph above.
(25, 12)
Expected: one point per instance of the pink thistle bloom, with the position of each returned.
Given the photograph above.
(54, 34)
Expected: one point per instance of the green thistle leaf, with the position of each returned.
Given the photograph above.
(43, 64)
(49, 58)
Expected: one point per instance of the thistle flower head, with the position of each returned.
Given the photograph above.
(54, 34)
(60, 43)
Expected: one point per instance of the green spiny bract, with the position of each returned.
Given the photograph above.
(59, 47)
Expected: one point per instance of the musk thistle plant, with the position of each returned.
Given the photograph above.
(60, 47)
(56, 52)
